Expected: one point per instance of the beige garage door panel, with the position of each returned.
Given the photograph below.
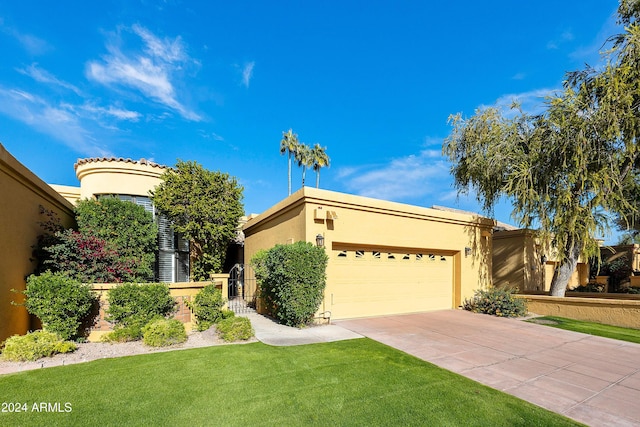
(373, 283)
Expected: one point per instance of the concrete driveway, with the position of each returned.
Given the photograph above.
(593, 380)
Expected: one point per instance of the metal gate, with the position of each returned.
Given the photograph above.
(242, 289)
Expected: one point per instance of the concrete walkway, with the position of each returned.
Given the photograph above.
(593, 380)
(270, 332)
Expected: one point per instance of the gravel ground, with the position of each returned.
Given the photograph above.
(91, 351)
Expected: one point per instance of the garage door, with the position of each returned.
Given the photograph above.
(371, 282)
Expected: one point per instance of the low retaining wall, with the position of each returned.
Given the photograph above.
(181, 292)
(616, 312)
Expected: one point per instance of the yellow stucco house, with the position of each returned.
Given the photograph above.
(384, 257)
(22, 196)
(132, 180)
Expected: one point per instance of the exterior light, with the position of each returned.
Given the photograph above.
(467, 251)
(543, 259)
(320, 241)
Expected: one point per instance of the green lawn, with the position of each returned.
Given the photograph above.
(356, 382)
(591, 328)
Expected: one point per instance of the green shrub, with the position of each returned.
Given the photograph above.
(127, 333)
(293, 286)
(235, 329)
(164, 332)
(127, 228)
(61, 303)
(35, 345)
(137, 304)
(590, 287)
(226, 314)
(496, 301)
(207, 307)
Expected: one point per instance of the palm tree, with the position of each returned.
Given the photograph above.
(320, 160)
(304, 158)
(289, 144)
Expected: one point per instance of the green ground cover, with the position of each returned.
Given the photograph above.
(591, 328)
(356, 382)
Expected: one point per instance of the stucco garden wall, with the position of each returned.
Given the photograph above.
(22, 194)
(617, 312)
(181, 292)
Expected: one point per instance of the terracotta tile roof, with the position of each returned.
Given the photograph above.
(117, 159)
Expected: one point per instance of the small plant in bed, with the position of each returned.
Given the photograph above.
(235, 329)
(35, 345)
(164, 332)
(499, 302)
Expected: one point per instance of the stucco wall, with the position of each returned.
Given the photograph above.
(517, 262)
(365, 223)
(181, 292)
(616, 312)
(21, 196)
(112, 175)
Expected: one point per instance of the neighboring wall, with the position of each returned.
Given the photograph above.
(21, 196)
(518, 262)
(617, 312)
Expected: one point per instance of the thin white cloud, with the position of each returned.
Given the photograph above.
(32, 44)
(43, 76)
(247, 73)
(532, 102)
(565, 37)
(591, 53)
(115, 112)
(57, 122)
(211, 135)
(409, 177)
(151, 71)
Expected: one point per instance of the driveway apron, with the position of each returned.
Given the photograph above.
(590, 379)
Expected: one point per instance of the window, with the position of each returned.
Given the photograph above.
(342, 254)
(376, 254)
(359, 254)
(391, 256)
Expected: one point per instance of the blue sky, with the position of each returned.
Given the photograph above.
(219, 81)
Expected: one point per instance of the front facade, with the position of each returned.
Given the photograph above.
(384, 257)
(132, 180)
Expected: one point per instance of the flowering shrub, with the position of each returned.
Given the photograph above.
(496, 301)
(87, 259)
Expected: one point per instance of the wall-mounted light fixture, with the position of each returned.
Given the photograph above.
(543, 259)
(467, 251)
(320, 241)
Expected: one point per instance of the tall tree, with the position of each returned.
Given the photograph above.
(304, 159)
(205, 207)
(566, 167)
(289, 144)
(320, 160)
